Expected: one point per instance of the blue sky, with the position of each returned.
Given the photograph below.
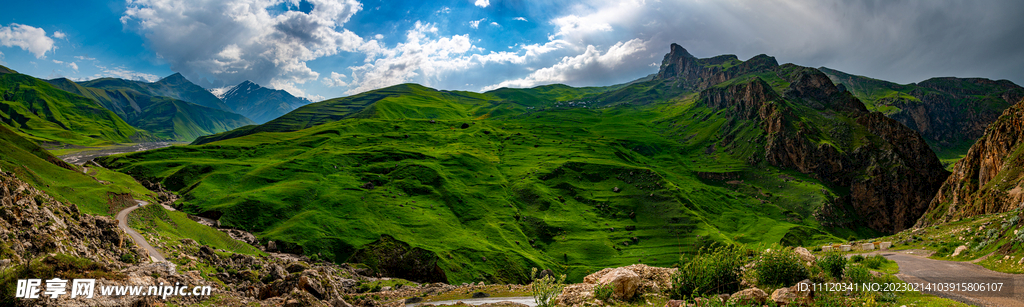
(329, 48)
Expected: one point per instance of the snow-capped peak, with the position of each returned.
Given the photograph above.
(220, 91)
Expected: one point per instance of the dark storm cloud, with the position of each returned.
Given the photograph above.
(901, 41)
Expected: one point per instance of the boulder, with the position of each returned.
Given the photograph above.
(751, 296)
(624, 283)
(958, 250)
(783, 297)
(277, 273)
(804, 254)
(674, 303)
(575, 295)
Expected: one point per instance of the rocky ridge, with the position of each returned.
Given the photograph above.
(988, 179)
(889, 169)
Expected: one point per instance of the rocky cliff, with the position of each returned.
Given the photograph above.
(689, 72)
(820, 129)
(988, 179)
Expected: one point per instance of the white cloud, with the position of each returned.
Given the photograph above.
(59, 35)
(482, 3)
(520, 18)
(236, 40)
(335, 80)
(571, 68)
(476, 23)
(418, 55)
(72, 65)
(84, 58)
(495, 24)
(26, 37)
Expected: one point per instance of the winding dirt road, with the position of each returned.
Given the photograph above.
(122, 222)
(918, 269)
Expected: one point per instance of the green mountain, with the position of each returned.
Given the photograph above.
(456, 186)
(950, 113)
(174, 86)
(37, 110)
(163, 116)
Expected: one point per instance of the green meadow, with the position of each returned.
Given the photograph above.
(493, 184)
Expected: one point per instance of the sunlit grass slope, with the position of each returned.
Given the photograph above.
(42, 113)
(531, 184)
(65, 182)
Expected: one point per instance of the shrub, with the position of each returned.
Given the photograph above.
(603, 292)
(545, 289)
(858, 274)
(875, 262)
(711, 271)
(779, 267)
(833, 263)
(856, 258)
(129, 258)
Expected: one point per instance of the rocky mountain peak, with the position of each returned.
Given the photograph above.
(698, 74)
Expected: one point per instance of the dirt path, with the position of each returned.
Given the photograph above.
(918, 269)
(122, 222)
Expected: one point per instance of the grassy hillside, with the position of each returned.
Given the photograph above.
(37, 110)
(509, 185)
(164, 117)
(92, 192)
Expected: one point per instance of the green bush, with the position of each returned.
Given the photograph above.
(833, 264)
(856, 258)
(129, 258)
(875, 262)
(779, 267)
(603, 292)
(711, 271)
(858, 274)
(545, 290)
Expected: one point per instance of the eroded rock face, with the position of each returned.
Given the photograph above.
(892, 173)
(692, 73)
(987, 179)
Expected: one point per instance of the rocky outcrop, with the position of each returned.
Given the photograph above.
(652, 279)
(889, 169)
(33, 224)
(988, 179)
(689, 72)
(391, 257)
(750, 296)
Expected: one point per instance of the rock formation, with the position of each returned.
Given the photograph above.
(988, 179)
